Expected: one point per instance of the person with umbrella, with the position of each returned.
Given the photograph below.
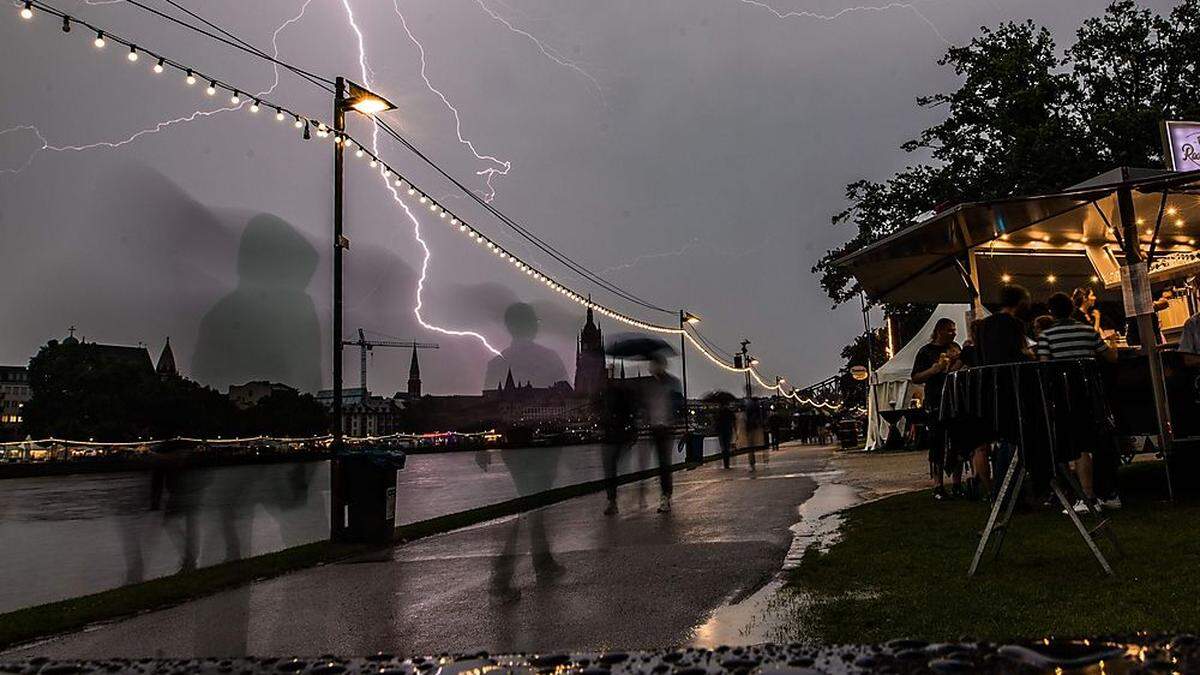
(662, 403)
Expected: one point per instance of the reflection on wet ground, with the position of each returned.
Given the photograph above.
(764, 616)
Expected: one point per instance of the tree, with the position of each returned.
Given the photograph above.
(1026, 120)
(286, 413)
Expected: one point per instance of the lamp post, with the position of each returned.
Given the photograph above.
(347, 96)
(684, 319)
(746, 361)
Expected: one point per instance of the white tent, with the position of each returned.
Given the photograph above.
(892, 386)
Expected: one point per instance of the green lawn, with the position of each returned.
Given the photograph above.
(900, 570)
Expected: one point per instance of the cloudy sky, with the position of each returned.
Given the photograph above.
(691, 151)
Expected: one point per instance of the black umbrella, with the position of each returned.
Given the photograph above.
(639, 347)
(720, 397)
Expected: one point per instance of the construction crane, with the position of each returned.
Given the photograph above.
(364, 345)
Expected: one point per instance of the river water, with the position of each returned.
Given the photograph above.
(67, 536)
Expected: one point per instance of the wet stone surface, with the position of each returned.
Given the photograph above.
(1138, 654)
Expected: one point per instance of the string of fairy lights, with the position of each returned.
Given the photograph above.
(310, 127)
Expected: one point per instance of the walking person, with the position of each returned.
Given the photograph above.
(1069, 338)
(619, 426)
(662, 409)
(724, 422)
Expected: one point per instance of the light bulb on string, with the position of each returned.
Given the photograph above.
(236, 98)
(158, 67)
(66, 24)
(358, 152)
(99, 41)
(191, 78)
(374, 163)
(278, 114)
(254, 106)
(133, 55)
(433, 208)
(423, 199)
(412, 191)
(212, 88)
(27, 10)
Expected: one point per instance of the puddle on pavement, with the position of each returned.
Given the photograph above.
(763, 615)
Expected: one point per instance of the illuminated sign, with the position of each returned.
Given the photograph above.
(1181, 145)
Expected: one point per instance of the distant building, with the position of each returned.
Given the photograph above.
(137, 358)
(15, 392)
(590, 371)
(351, 395)
(373, 416)
(414, 376)
(166, 361)
(248, 395)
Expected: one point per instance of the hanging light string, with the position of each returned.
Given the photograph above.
(312, 126)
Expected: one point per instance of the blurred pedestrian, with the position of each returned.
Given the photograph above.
(662, 408)
(619, 426)
(724, 422)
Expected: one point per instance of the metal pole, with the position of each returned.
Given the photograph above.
(683, 366)
(336, 496)
(1149, 338)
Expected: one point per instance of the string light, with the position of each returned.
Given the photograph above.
(133, 55)
(520, 265)
(158, 67)
(27, 10)
(235, 99)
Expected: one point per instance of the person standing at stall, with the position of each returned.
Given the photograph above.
(930, 366)
(1071, 339)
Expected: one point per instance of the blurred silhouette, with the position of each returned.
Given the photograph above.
(527, 360)
(176, 492)
(533, 470)
(724, 420)
(267, 328)
(619, 406)
(662, 406)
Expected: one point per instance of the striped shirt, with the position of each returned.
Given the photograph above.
(1069, 339)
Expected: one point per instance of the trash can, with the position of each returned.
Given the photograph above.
(369, 491)
(847, 431)
(694, 449)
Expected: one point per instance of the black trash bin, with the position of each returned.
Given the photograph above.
(847, 431)
(369, 492)
(694, 449)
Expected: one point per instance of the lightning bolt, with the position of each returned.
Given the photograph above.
(46, 146)
(798, 14)
(546, 51)
(501, 167)
(416, 224)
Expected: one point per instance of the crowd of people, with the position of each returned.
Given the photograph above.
(1071, 329)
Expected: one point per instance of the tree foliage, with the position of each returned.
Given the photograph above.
(1028, 118)
(80, 393)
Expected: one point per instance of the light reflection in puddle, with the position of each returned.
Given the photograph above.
(761, 616)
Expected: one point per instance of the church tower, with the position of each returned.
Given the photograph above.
(590, 372)
(166, 361)
(414, 376)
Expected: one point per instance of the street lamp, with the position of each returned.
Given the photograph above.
(347, 96)
(684, 319)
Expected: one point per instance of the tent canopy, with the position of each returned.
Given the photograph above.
(1070, 232)
(899, 367)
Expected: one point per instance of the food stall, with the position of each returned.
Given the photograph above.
(1127, 233)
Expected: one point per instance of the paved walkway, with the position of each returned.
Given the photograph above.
(638, 579)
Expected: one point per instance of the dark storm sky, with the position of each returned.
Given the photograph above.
(692, 150)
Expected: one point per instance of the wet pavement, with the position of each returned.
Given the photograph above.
(73, 535)
(562, 577)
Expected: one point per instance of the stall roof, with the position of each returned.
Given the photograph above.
(921, 262)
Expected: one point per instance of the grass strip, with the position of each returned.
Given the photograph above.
(900, 570)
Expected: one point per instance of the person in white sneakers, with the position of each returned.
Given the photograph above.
(662, 407)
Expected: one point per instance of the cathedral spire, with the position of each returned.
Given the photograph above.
(414, 375)
(166, 360)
